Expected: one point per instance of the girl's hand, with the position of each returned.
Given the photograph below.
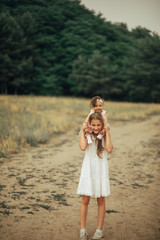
(83, 140)
(106, 127)
(84, 126)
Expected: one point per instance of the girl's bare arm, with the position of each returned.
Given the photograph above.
(105, 118)
(87, 118)
(83, 140)
(108, 141)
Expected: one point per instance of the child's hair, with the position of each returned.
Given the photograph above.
(94, 100)
(98, 116)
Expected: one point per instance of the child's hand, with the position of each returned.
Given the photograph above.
(102, 132)
(87, 130)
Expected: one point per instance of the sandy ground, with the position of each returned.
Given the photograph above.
(38, 198)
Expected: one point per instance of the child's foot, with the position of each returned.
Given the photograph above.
(98, 234)
(83, 234)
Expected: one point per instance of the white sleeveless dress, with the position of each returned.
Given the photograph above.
(94, 179)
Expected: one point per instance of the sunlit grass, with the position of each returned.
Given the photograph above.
(124, 111)
(28, 121)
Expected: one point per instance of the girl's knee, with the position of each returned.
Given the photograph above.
(85, 200)
(101, 201)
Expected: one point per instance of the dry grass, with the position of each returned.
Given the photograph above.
(124, 111)
(27, 121)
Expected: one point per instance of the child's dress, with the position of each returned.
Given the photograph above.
(103, 112)
(94, 179)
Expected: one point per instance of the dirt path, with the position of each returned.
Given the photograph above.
(38, 198)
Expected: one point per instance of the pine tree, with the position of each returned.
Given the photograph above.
(144, 72)
(11, 36)
(93, 77)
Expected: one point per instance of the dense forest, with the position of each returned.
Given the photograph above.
(60, 48)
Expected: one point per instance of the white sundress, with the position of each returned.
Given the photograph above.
(94, 179)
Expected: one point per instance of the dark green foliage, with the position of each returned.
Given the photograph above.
(95, 75)
(11, 43)
(143, 74)
(50, 47)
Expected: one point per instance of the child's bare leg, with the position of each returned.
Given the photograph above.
(101, 212)
(84, 210)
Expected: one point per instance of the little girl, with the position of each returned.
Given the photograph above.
(97, 106)
(94, 179)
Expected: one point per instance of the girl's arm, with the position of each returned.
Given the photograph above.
(105, 118)
(87, 119)
(83, 140)
(105, 115)
(107, 139)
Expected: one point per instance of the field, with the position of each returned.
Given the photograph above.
(39, 184)
(27, 121)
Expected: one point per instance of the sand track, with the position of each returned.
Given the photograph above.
(38, 198)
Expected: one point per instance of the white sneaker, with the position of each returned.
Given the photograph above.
(98, 234)
(83, 235)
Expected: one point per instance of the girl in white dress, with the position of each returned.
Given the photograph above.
(94, 179)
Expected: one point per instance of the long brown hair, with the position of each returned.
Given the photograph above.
(98, 116)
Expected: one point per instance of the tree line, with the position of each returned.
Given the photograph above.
(60, 48)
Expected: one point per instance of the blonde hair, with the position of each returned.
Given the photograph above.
(98, 116)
